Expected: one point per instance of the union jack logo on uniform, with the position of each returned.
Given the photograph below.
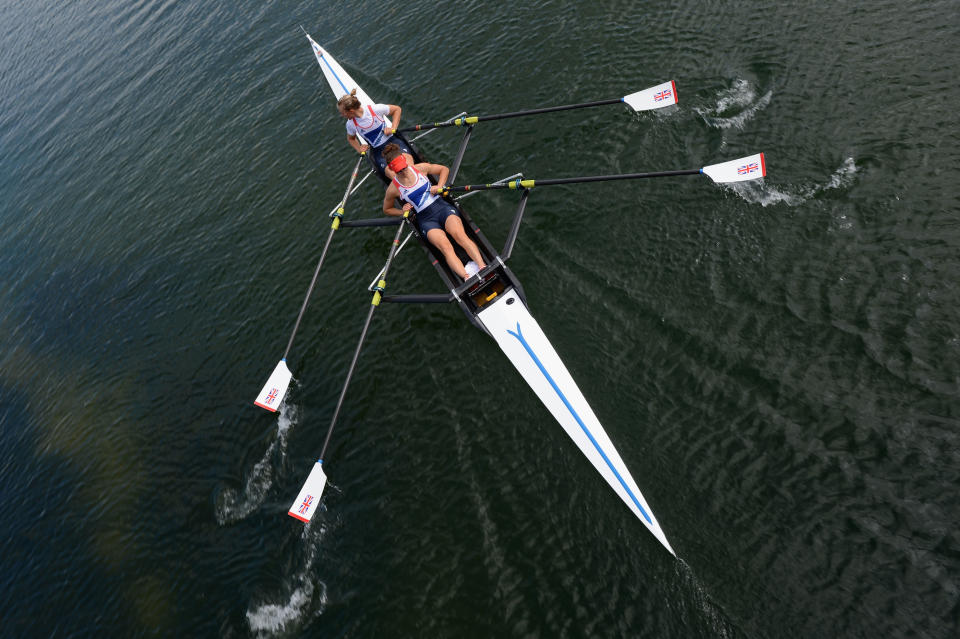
(305, 506)
(748, 168)
(660, 96)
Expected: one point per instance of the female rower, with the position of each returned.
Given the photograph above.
(373, 124)
(434, 214)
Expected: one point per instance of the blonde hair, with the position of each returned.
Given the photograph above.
(349, 102)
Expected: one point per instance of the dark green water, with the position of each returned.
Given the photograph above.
(778, 363)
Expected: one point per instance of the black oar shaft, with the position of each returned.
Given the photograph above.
(306, 299)
(566, 107)
(513, 114)
(377, 295)
(346, 384)
(529, 184)
(333, 227)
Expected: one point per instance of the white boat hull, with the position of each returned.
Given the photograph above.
(339, 80)
(519, 336)
(508, 321)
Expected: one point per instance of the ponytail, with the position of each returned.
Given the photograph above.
(349, 102)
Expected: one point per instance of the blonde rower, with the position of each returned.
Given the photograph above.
(370, 127)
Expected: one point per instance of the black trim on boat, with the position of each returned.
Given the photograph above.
(472, 295)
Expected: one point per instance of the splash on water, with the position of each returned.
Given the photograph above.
(234, 505)
(272, 618)
(843, 176)
(765, 194)
(735, 106)
(296, 595)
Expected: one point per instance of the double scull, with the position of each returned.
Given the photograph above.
(493, 299)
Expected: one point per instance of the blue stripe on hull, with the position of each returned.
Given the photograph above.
(324, 58)
(563, 398)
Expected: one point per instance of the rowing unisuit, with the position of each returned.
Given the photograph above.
(370, 126)
(418, 194)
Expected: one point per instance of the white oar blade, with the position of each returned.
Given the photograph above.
(749, 168)
(309, 497)
(276, 387)
(656, 97)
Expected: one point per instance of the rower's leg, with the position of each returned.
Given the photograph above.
(439, 239)
(454, 226)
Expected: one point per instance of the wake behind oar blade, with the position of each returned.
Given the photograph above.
(308, 499)
(273, 392)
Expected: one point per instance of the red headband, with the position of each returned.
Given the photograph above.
(398, 163)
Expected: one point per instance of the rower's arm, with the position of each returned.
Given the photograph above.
(352, 141)
(389, 199)
(440, 170)
(394, 115)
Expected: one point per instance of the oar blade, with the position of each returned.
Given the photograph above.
(272, 393)
(657, 97)
(752, 167)
(306, 502)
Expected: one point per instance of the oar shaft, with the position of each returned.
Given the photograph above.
(513, 114)
(377, 295)
(529, 184)
(333, 227)
(346, 384)
(566, 107)
(306, 298)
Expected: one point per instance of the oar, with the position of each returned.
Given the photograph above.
(656, 97)
(273, 392)
(751, 167)
(306, 502)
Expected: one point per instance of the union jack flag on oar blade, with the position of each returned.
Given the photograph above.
(748, 168)
(306, 502)
(273, 391)
(653, 98)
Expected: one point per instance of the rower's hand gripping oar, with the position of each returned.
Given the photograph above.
(273, 392)
(657, 97)
(752, 167)
(306, 502)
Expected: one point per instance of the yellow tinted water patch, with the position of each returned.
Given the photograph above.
(95, 442)
(150, 596)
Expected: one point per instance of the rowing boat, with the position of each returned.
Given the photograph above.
(494, 301)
